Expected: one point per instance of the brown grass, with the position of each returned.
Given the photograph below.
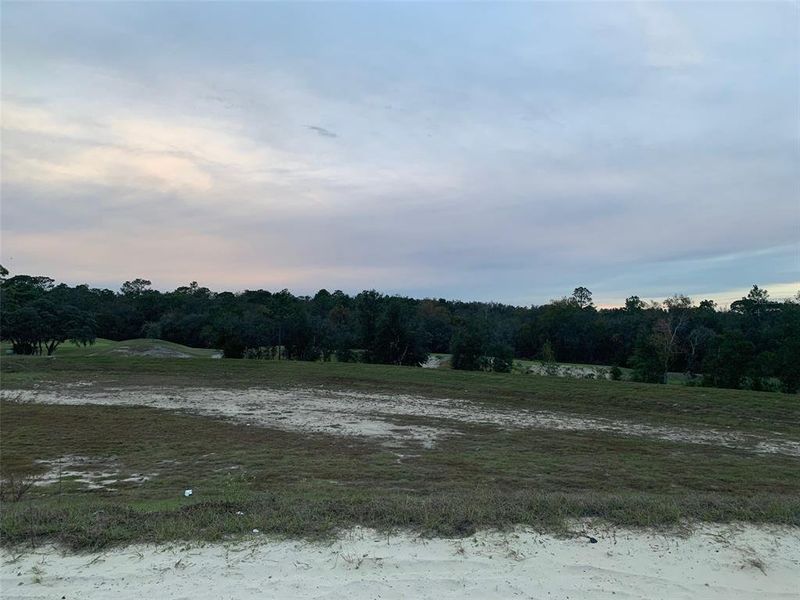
(301, 485)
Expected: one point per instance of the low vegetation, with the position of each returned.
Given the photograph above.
(292, 484)
(295, 484)
(132, 348)
(89, 476)
(675, 405)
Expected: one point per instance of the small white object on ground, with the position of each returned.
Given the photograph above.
(255, 530)
(187, 493)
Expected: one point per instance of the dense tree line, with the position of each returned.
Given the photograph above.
(754, 343)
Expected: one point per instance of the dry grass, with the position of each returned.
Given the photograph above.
(757, 412)
(299, 485)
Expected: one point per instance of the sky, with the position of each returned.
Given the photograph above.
(503, 152)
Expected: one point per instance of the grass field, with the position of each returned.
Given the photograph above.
(291, 482)
(137, 347)
(743, 410)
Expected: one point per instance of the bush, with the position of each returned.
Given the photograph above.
(729, 362)
(233, 347)
(467, 349)
(346, 355)
(547, 354)
(646, 363)
(502, 358)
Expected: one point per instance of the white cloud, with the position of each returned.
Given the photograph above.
(777, 291)
(212, 161)
(111, 166)
(16, 116)
(670, 42)
(541, 153)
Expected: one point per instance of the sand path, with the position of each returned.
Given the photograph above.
(729, 563)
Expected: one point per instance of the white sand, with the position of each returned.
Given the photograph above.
(92, 473)
(571, 371)
(381, 416)
(730, 563)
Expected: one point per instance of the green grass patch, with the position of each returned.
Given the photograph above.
(656, 404)
(303, 485)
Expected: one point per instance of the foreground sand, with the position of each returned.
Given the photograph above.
(736, 562)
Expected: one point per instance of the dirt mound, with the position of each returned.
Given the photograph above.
(153, 351)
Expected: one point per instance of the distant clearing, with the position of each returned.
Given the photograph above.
(135, 348)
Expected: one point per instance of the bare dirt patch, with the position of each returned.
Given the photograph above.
(573, 371)
(384, 416)
(154, 352)
(92, 473)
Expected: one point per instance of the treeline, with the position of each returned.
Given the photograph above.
(754, 343)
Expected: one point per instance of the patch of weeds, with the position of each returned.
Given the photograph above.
(236, 488)
(311, 486)
(756, 563)
(37, 573)
(14, 487)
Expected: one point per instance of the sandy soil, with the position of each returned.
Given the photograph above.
(91, 473)
(383, 416)
(728, 563)
(156, 352)
(433, 362)
(573, 371)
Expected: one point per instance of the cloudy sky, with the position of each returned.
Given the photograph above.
(503, 152)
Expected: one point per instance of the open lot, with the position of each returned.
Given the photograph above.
(304, 448)
(306, 451)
